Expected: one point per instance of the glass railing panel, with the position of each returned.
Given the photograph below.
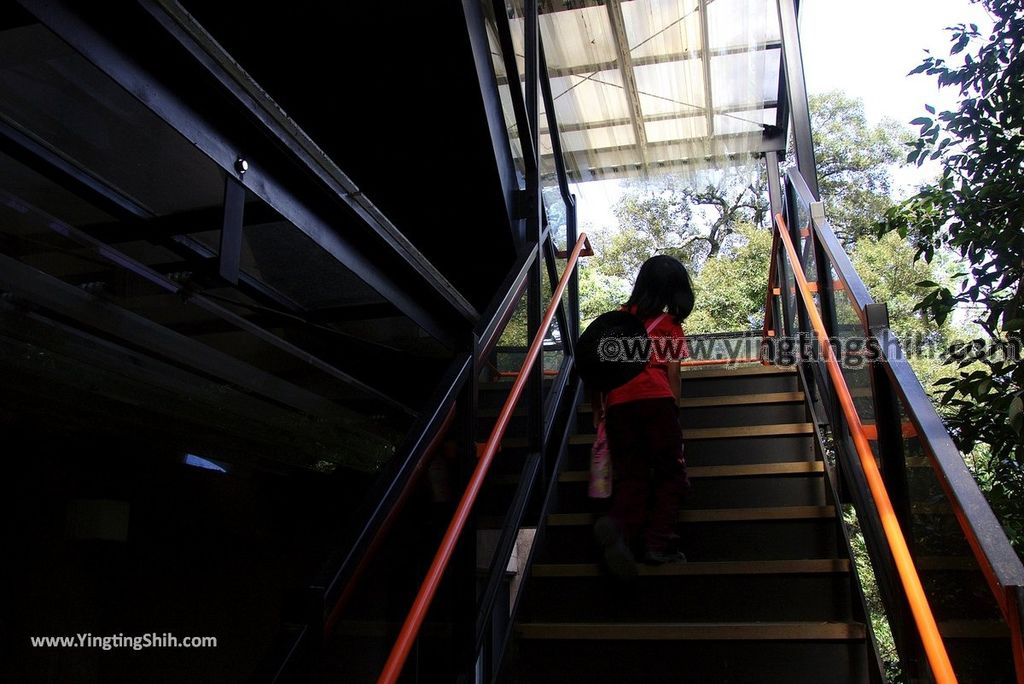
(974, 632)
(851, 349)
(791, 297)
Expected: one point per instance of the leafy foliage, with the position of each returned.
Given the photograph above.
(730, 290)
(854, 160)
(976, 209)
(692, 219)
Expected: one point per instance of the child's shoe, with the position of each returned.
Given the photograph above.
(664, 557)
(617, 555)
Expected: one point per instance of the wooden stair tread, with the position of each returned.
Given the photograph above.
(689, 372)
(704, 472)
(770, 430)
(694, 402)
(946, 563)
(718, 515)
(690, 631)
(728, 400)
(717, 568)
(974, 629)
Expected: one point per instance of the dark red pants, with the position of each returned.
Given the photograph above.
(646, 445)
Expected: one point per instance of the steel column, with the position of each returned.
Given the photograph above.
(231, 231)
(797, 89)
(893, 467)
(534, 222)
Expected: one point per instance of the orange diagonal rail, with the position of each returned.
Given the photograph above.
(934, 649)
(413, 621)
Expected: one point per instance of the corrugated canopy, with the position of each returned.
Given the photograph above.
(643, 86)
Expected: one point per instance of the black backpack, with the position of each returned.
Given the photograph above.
(603, 352)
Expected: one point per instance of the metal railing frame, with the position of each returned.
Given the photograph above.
(891, 378)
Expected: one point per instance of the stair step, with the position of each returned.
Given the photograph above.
(742, 370)
(700, 472)
(774, 567)
(729, 400)
(716, 515)
(736, 451)
(973, 629)
(947, 563)
(700, 631)
(805, 487)
(691, 592)
(718, 657)
(696, 434)
(718, 383)
(694, 402)
(732, 537)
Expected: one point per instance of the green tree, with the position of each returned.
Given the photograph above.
(730, 290)
(599, 292)
(976, 210)
(693, 219)
(892, 273)
(854, 161)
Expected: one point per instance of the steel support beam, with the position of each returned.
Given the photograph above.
(607, 163)
(797, 89)
(71, 302)
(572, 332)
(705, 64)
(230, 256)
(504, 162)
(568, 128)
(143, 271)
(625, 63)
(286, 169)
(588, 70)
(535, 221)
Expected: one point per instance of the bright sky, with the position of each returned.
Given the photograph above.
(865, 48)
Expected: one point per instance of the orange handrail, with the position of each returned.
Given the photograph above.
(413, 621)
(934, 649)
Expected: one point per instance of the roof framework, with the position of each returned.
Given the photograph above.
(646, 85)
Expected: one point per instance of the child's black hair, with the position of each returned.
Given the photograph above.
(663, 285)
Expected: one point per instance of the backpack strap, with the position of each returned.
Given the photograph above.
(656, 322)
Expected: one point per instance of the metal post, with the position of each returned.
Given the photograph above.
(464, 580)
(823, 275)
(894, 472)
(534, 222)
(803, 325)
(797, 89)
(230, 256)
(887, 424)
(571, 331)
(774, 304)
(571, 235)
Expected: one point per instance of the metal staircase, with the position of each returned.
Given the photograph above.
(769, 593)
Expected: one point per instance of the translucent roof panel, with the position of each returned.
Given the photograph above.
(661, 28)
(651, 84)
(670, 87)
(740, 78)
(593, 98)
(734, 23)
